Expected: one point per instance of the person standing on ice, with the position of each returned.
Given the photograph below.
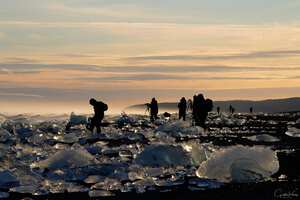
(218, 110)
(153, 110)
(201, 108)
(182, 106)
(99, 109)
(251, 110)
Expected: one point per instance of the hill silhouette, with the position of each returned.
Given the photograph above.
(266, 106)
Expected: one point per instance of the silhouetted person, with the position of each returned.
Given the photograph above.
(99, 109)
(190, 105)
(218, 110)
(201, 107)
(182, 108)
(231, 109)
(194, 106)
(251, 110)
(153, 110)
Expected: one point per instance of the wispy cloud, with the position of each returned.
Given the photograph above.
(250, 55)
(10, 94)
(19, 60)
(143, 69)
(158, 76)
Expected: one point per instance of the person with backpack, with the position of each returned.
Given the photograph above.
(99, 109)
(201, 108)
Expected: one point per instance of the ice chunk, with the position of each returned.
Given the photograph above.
(126, 120)
(263, 138)
(108, 184)
(293, 132)
(94, 179)
(68, 159)
(240, 164)
(27, 189)
(163, 155)
(100, 193)
(8, 180)
(77, 119)
(198, 152)
(179, 129)
(67, 138)
(228, 120)
(4, 195)
(4, 135)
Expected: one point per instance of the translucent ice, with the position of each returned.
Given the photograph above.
(179, 129)
(293, 132)
(263, 138)
(4, 135)
(8, 180)
(68, 159)
(240, 164)
(4, 195)
(77, 119)
(126, 120)
(163, 155)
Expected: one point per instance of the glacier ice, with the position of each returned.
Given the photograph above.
(163, 155)
(240, 164)
(77, 119)
(263, 138)
(179, 129)
(293, 132)
(8, 180)
(69, 158)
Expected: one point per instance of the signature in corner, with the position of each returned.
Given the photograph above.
(284, 194)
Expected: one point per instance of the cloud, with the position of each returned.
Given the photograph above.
(141, 69)
(158, 76)
(74, 55)
(24, 95)
(19, 60)
(250, 55)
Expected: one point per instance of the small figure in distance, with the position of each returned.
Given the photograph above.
(231, 109)
(251, 110)
(153, 110)
(99, 109)
(182, 108)
(218, 110)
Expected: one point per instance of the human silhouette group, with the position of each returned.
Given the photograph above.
(199, 107)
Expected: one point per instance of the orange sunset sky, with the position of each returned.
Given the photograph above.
(55, 55)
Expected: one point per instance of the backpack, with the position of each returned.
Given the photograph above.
(105, 107)
(209, 105)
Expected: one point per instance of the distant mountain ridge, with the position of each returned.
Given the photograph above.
(267, 106)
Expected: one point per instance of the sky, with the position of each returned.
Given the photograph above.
(56, 54)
